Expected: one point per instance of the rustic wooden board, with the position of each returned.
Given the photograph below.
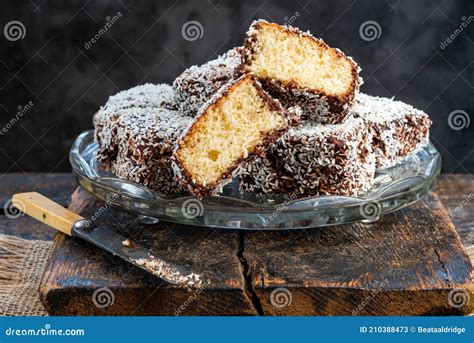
(58, 187)
(77, 269)
(456, 192)
(26, 227)
(407, 263)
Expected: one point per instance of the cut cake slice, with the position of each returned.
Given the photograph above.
(239, 121)
(301, 70)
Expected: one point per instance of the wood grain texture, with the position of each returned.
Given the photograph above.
(57, 187)
(453, 190)
(456, 192)
(77, 269)
(26, 227)
(404, 264)
(70, 289)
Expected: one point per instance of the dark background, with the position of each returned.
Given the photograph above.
(66, 82)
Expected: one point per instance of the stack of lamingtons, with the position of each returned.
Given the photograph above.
(282, 114)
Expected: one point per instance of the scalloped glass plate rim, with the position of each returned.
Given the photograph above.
(88, 176)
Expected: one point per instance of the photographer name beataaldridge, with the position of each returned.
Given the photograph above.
(442, 329)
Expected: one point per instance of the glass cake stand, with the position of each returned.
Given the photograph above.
(394, 188)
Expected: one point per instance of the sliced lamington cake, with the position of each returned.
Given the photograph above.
(398, 128)
(301, 70)
(314, 159)
(197, 84)
(239, 121)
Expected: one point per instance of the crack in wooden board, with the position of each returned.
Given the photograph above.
(76, 269)
(329, 271)
(405, 264)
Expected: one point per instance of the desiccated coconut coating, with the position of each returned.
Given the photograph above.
(198, 83)
(137, 131)
(143, 96)
(314, 159)
(156, 173)
(146, 139)
(147, 132)
(397, 128)
(287, 60)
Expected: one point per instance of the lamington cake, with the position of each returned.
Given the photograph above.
(299, 69)
(137, 131)
(156, 174)
(105, 120)
(238, 116)
(397, 128)
(239, 121)
(314, 159)
(197, 84)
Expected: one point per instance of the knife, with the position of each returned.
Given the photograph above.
(47, 211)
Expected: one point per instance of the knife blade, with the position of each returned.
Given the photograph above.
(47, 211)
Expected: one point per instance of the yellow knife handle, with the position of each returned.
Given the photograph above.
(45, 210)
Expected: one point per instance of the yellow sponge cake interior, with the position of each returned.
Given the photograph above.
(298, 59)
(242, 119)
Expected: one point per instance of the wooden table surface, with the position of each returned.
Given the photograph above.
(455, 191)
